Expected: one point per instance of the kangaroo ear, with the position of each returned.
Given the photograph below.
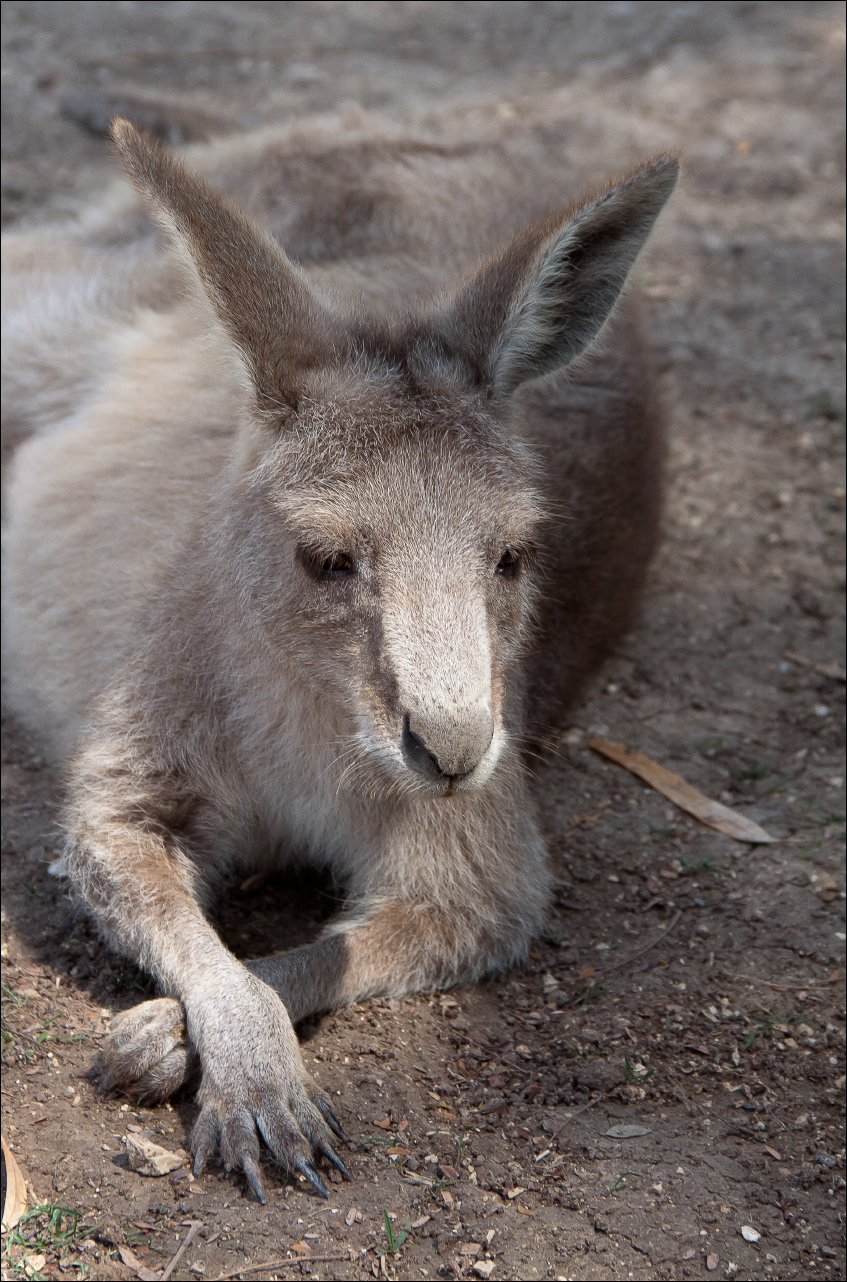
(259, 295)
(536, 305)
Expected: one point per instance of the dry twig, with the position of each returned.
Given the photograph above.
(831, 670)
(194, 1229)
(279, 1264)
(634, 956)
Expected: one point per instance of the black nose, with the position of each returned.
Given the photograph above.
(421, 758)
(448, 751)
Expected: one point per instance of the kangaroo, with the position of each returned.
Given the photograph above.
(301, 556)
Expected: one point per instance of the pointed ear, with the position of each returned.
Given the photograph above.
(537, 305)
(261, 298)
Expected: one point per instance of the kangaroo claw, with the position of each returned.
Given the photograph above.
(330, 1119)
(335, 1159)
(251, 1171)
(307, 1169)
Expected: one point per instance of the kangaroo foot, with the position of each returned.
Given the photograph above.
(147, 1054)
(255, 1087)
(291, 1116)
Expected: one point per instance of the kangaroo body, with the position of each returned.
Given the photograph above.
(301, 555)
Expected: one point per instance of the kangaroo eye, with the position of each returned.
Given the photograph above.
(509, 565)
(318, 566)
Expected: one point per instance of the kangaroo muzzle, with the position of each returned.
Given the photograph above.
(446, 749)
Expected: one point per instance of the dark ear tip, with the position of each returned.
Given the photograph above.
(671, 162)
(667, 166)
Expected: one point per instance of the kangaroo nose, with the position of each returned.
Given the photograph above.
(449, 750)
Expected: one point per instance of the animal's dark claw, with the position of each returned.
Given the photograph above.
(251, 1172)
(333, 1157)
(204, 1141)
(306, 1168)
(329, 1117)
(292, 1116)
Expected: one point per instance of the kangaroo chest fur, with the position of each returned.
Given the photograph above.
(302, 556)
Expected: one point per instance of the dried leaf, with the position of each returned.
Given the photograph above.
(384, 1123)
(409, 1177)
(146, 1275)
(14, 1204)
(674, 787)
(302, 1248)
(773, 1152)
(626, 1132)
(140, 1270)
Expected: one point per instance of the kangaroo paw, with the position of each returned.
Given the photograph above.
(146, 1053)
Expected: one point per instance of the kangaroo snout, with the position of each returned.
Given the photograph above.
(449, 748)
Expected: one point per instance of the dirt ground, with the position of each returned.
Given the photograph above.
(689, 986)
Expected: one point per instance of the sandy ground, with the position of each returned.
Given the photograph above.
(689, 986)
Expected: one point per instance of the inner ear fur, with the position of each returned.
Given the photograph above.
(260, 296)
(537, 304)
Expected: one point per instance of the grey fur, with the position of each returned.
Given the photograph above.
(300, 557)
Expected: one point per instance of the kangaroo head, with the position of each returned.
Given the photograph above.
(386, 511)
